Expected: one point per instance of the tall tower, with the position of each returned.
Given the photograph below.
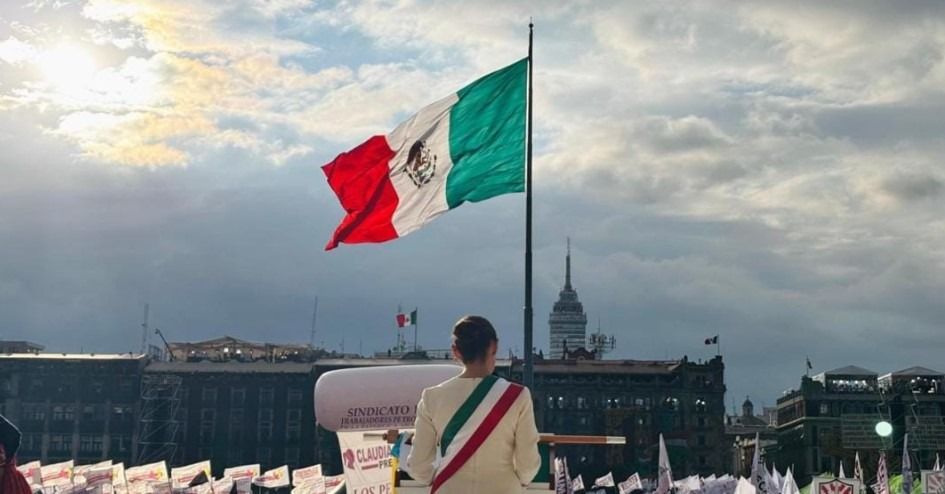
(567, 321)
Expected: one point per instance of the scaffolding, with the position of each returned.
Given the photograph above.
(159, 424)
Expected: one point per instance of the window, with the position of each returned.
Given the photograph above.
(295, 396)
(581, 402)
(209, 395)
(120, 443)
(265, 414)
(551, 401)
(294, 415)
(90, 444)
(206, 432)
(34, 411)
(701, 440)
(208, 415)
(60, 442)
(825, 408)
(58, 412)
(293, 433)
(266, 396)
(264, 431)
(237, 397)
(31, 442)
(561, 402)
(122, 413)
(700, 405)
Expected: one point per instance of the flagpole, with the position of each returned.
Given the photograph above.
(528, 376)
(415, 310)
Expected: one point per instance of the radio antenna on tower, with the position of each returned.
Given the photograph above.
(144, 330)
(311, 340)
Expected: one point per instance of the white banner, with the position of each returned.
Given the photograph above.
(242, 472)
(334, 484)
(99, 476)
(605, 481)
(314, 486)
(183, 475)
(244, 485)
(366, 461)
(57, 474)
(118, 475)
(31, 471)
(307, 474)
(223, 486)
(632, 483)
(277, 477)
(155, 473)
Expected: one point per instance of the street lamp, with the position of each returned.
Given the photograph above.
(883, 428)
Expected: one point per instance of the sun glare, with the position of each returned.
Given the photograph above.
(67, 67)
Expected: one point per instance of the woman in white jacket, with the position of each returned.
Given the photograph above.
(475, 433)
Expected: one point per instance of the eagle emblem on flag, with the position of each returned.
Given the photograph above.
(421, 164)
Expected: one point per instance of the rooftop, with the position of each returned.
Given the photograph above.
(72, 356)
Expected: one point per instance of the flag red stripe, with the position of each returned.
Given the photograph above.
(361, 180)
(479, 436)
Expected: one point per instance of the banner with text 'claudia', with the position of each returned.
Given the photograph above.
(367, 462)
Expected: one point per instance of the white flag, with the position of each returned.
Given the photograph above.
(244, 485)
(857, 468)
(313, 486)
(938, 465)
(183, 475)
(100, 476)
(152, 473)
(31, 471)
(757, 477)
(562, 482)
(277, 477)
(577, 484)
(632, 483)
(242, 472)
(842, 474)
(882, 476)
(745, 487)
(665, 478)
(334, 484)
(778, 479)
(906, 466)
(605, 481)
(789, 486)
(223, 485)
(57, 474)
(307, 474)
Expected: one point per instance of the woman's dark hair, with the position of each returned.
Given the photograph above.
(472, 336)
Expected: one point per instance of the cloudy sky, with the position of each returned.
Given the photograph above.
(770, 172)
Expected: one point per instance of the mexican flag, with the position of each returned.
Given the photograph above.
(407, 319)
(466, 147)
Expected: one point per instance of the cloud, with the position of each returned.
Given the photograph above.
(771, 173)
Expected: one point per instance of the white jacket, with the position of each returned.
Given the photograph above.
(506, 461)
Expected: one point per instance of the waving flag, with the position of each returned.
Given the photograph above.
(467, 147)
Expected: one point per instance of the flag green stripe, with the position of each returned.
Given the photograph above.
(487, 137)
(465, 411)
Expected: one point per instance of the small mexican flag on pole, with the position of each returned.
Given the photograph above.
(404, 320)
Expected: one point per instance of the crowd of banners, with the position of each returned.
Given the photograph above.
(108, 478)
(761, 479)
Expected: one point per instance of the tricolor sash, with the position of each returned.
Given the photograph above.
(472, 424)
